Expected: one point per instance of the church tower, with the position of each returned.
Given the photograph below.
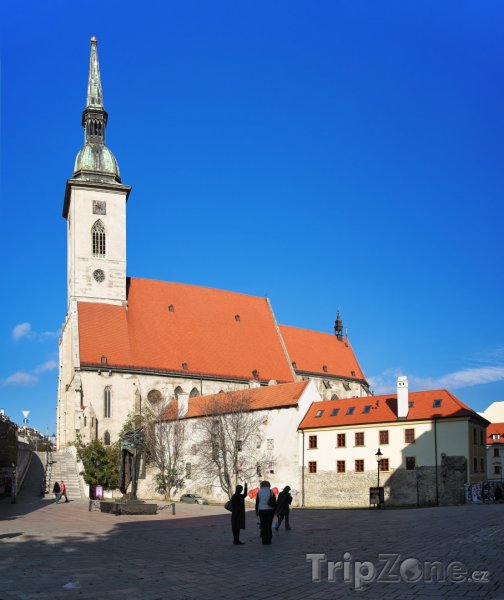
(95, 209)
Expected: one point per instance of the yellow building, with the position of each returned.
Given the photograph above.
(429, 445)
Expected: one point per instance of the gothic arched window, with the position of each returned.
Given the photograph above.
(106, 438)
(98, 235)
(194, 393)
(106, 402)
(178, 391)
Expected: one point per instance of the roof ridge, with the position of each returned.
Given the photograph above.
(345, 339)
(193, 285)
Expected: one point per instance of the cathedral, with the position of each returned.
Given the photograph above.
(127, 341)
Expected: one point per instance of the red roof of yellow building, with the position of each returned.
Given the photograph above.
(259, 398)
(434, 404)
(187, 329)
(495, 429)
(320, 353)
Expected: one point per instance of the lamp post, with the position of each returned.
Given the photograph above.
(378, 461)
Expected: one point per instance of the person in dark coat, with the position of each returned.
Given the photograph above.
(282, 510)
(238, 513)
(498, 494)
(56, 490)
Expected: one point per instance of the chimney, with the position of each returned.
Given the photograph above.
(183, 405)
(402, 397)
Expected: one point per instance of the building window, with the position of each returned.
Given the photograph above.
(106, 438)
(258, 470)
(85, 420)
(239, 445)
(334, 411)
(436, 403)
(496, 436)
(98, 235)
(178, 391)
(340, 466)
(319, 413)
(359, 466)
(359, 438)
(312, 466)
(350, 410)
(367, 409)
(496, 452)
(482, 440)
(384, 466)
(475, 439)
(106, 402)
(312, 442)
(410, 463)
(341, 440)
(475, 465)
(346, 385)
(194, 393)
(409, 436)
(497, 470)
(154, 397)
(384, 437)
(482, 465)
(188, 470)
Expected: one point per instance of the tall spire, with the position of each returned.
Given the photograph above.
(94, 117)
(94, 95)
(95, 162)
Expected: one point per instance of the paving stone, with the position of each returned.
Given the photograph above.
(190, 555)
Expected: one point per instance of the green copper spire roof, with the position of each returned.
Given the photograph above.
(95, 162)
(94, 94)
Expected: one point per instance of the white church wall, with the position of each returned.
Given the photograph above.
(279, 440)
(329, 388)
(125, 400)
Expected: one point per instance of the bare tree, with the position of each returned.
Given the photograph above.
(164, 435)
(228, 442)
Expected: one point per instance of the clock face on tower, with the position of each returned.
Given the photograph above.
(99, 207)
(99, 275)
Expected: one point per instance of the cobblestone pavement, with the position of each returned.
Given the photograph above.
(51, 551)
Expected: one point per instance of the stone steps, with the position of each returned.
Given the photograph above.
(63, 467)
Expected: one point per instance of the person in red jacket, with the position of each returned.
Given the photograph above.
(63, 491)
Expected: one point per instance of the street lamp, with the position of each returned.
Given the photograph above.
(378, 461)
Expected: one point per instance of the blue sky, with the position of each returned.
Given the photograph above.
(330, 154)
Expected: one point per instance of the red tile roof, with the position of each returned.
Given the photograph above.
(260, 398)
(212, 332)
(384, 409)
(311, 350)
(493, 429)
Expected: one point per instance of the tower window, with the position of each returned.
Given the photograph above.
(194, 393)
(98, 235)
(106, 438)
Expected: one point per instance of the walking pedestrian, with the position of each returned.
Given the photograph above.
(238, 513)
(265, 508)
(56, 491)
(63, 491)
(282, 510)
